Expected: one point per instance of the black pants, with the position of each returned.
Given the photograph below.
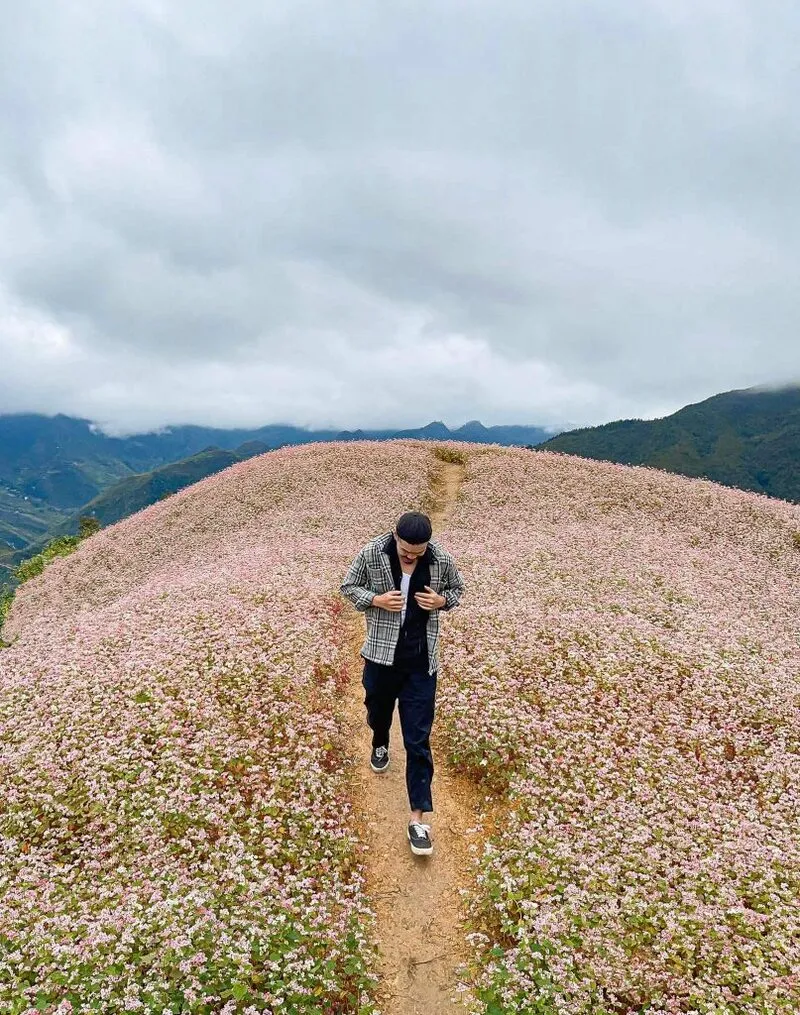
(414, 689)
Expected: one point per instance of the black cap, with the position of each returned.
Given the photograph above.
(414, 527)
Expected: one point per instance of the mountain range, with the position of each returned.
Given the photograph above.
(53, 469)
(748, 438)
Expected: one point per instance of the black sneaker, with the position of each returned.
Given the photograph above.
(379, 761)
(420, 839)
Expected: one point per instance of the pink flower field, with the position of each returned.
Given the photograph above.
(174, 786)
(626, 673)
(622, 678)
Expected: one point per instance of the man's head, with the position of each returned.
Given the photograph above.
(411, 534)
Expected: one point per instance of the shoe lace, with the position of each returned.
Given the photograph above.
(381, 751)
(419, 829)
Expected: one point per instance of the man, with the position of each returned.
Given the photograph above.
(401, 580)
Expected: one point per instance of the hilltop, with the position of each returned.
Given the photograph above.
(54, 469)
(620, 687)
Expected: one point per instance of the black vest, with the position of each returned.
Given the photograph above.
(412, 645)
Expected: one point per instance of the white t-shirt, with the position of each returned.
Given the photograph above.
(405, 581)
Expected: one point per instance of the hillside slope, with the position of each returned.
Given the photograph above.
(137, 492)
(627, 677)
(747, 438)
(29, 525)
(622, 681)
(174, 772)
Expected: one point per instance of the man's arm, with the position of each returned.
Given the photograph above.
(355, 585)
(453, 586)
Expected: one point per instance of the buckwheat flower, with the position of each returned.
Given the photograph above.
(164, 705)
(629, 701)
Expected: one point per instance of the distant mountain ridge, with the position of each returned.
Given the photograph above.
(54, 468)
(747, 438)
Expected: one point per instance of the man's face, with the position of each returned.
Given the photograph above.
(409, 553)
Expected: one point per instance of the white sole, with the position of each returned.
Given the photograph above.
(380, 771)
(416, 849)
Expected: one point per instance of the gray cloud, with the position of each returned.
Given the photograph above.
(364, 214)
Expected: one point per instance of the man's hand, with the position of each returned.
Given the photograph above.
(392, 601)
(430, 600)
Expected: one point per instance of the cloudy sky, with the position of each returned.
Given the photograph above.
(382, 212)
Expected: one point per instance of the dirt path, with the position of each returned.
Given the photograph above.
(416, 899)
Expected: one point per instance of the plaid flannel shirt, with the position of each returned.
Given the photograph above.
(370, 574)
